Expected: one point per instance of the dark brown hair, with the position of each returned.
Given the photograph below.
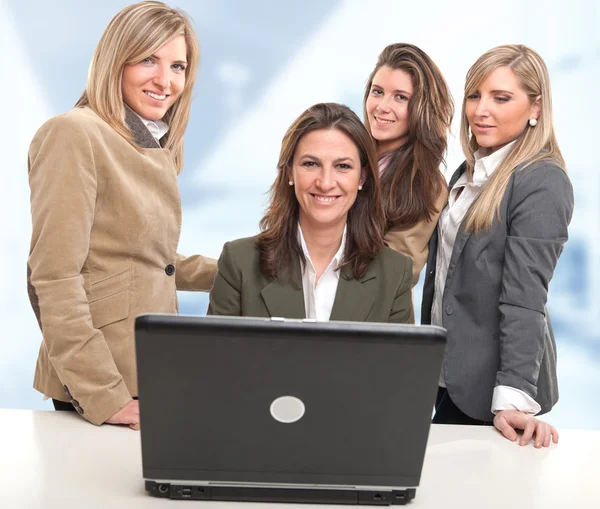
(412, 181)
(280, 251)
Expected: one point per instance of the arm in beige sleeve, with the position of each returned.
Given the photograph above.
(195, 273)
(414, 241)
(63, 183)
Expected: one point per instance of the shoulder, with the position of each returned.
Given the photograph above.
(393, 262)
(72, 126)
(540, 170)
(543, 175)
(242, 252)
(244, 245)
(77, 118)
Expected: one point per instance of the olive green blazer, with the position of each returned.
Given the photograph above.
(241, 289)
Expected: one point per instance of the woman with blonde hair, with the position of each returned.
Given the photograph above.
(106, 213)
(495, 250)
(320, 254)
(408, 110)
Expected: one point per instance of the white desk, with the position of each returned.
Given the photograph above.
(52, 460)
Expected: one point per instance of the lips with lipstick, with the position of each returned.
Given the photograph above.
(482, 127)
(155, 96)
(383, 121)
(321, 198)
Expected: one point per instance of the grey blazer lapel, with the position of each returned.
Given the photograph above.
(141, 135)
(461, 236)
(284, 299)
(353, 301)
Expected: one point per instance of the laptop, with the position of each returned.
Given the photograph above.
(283, 410)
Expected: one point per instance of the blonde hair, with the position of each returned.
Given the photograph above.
(134, 34)
(533, 144)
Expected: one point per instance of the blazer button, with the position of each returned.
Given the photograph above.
(170, 269)
(79, 410)
(449, 310)
(67, 392)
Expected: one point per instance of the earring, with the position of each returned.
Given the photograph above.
(532, 122)
(291, 182)
(359, 187)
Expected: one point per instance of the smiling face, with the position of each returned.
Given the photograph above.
(152, 86)
(326, 172)
(387, 107)
(499, 110)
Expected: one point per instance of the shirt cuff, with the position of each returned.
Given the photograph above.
(509, 398)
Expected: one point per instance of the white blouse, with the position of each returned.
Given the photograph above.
(319, 297)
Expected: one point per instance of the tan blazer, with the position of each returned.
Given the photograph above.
(106, 222)
(241, 289)
(414, 241)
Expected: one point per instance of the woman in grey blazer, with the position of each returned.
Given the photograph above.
(495, 248)
(321, 253)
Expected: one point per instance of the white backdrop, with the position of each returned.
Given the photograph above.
(263, 63)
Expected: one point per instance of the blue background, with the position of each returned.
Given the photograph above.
(263, 63)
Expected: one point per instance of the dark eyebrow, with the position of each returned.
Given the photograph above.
(395, 91)
(312, 158)
(316, 159)
(342, 159)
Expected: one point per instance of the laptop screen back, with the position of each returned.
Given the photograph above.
(216, 395)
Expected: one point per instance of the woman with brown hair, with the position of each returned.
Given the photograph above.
(106, 213)
(408, 110)
(321, 253)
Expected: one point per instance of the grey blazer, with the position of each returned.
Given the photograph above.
(383, 294)
(494, 302)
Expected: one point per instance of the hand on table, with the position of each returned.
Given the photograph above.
(507, 421)
(129, 414)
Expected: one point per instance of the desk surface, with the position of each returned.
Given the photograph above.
(57, 460)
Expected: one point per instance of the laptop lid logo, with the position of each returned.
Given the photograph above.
(287, 409)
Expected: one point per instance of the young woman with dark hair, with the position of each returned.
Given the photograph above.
(408, 110)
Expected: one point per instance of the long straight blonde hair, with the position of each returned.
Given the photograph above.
(134, 34)
(533, 144)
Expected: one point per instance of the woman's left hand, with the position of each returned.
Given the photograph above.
(507, 421)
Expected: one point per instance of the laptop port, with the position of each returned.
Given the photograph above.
(163, 488)
(186, 492)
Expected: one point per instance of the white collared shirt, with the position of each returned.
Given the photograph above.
(157, 128)
(319, 297)
(504, 398)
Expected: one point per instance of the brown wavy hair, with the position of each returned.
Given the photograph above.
(280, 250)
(412, 180)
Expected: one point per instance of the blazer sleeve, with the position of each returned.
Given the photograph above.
(414, 241)
(63, 184)
(539, 212)
(402, 307)
(225, 296)
(195, 273)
